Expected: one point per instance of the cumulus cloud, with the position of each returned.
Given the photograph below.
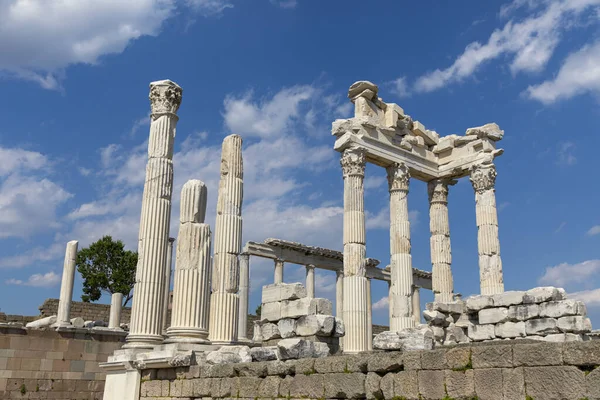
(591, 298)
(567, 274)
(594, 230)
(48, 279)
(399, 87)
(382, 304)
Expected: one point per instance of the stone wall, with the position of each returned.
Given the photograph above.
(87, 311)
(38, 364)
(515, 370)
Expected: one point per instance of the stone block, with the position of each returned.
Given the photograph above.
(431, 384)
(455, 307)
(321, 349)
(285, 385)
(542, 294)
(509, 298)
(269, 387)
(434, 359)
(537, 354)
(417, 338)
(513, 382)
(454, 335)
(557, 309)
(412, 360)
(387, 340)
(488, 383)
(301, 307)
(575, 324)
(540, 326)
(295, 348)
(439, 333)
(582, 353)
(287, 327)
(356, 363)
(510, 329)
(458, 357)
(330, 365)
(307, 386)
(385, 362)
(523, 312)
(264, 353)
(592, 383)
(282, 291)
(406, 384)
(320, 325)
(491, 356)
(563, 337)
(466, 320)
(302, 366)
(434, 317)
(460, 384)
(557, 382)
(476, 303)
(346, 386)
(478, 333)
(229, 354)
(269, 331)
(340, 329)
(270, 312)
(279, 368)
(372, 389)
(256, 369)
(386, 385)
(493, 315)
(247, 387)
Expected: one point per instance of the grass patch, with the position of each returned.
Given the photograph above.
(23, 389)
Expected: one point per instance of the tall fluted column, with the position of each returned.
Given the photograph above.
(148, 292)
(441, 252)
(168, 273)
(116, 305)
(243, 294)
(390, 302)
(310, 281)
(416, 301)
(278, 274)
(369, 317)
(339, 294)
(191, 289)
(483, 178)
(224, 303)
(355, 284)
(401, 259)
(63, 317)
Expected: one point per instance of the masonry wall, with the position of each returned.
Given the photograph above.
(518, 370)
(40, 364)
(87, 311)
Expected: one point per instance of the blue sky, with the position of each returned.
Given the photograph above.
(74, 80)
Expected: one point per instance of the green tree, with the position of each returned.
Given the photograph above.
(106, 267)
(258, 310)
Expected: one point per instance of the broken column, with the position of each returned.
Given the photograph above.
(116, 304)
(439, 226)
(168, 273)
(310, 281)
(224, 304)
(244, 260)
(401, 261)
(148, 294)
(355, 283)
(66, 287)
(416, 302)
(483, 178)
(191, 291)
(278, 274)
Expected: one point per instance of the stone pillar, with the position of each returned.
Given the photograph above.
(168, 273)
(390, 302)
(416, 301)
(339, 294)
(191, 289)
(369, 316)
(278, 275)
(355, 284)
(146, 324)
(441, 253)
(310, 281)
(243, 294)
(401, 261)
(63, 317)
(224, 303)
(483, 178)
(116, 305)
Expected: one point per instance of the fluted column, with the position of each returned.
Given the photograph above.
(224, 304)
(148, 293)
(441, 252)
(243, 294)
(116, 305)
(416, 301)
(310, 281)
(369, 317)
(168, 273)
(390, 302)
(63, 317)
(191, 289)
(483, 178)
(278, 274)
(355, 284)
(339, 294)
(401, 260)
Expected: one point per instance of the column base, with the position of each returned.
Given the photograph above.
(142, 341)
(186, 335)
(399, 323)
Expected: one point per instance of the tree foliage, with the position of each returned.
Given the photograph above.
(106, 267)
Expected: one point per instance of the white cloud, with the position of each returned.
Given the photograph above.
(381, 304)
(591, 298)
(531, 42)
(400, 87)
(565, 274)
(285, 3)
(594, 230)
(209, 7)
(18, 160)
(381, 220)
(579, 74)
(566, 154)
(48, 279)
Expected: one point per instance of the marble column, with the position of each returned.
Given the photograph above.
(369, 317)
(191, 289)
(63, 317)
(339, 294)
(355, 284)
(168, 273)
(116, 305)
(416, 301)
(401, 259)
(441, 252)
(224, 303)
(483, 178)
(310, 281)
(243, 294)
(278, 274)
(146, 324)
(390, 302)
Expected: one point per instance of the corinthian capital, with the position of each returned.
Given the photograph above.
(165, 97)
(398, 176)
(483, 177)
(438, 190)
(353, 161)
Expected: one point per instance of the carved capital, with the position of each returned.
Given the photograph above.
(483, 177)
(398, 176)
(165, 97)
(353, 161)
(438, 190)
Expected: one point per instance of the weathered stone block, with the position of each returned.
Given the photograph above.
(356, 363)
(372, 389)
(285, 385)
(513, 383)
(460, 384)
(537, 354)
(301, 307)
(541, 326)
(256, 369)
(295, 348)
(434, 359)
(493, 315)
(476, 303)
(431, 384)
(575, 324)
(387, 341)
(582, 353)
(347, 386)
(247, 387)
(386, 384)
(454, 335)
(510, 329)
(310, 386)
(509, 298)
(287, 327)
(592, 383)
(340, 329)
(557, 309)
(279, 368)
(406, 384)
(270, 312)
(412, 360)
(282, 291)
(542, 294)
(269, 331)
(263, 353)
(320, 325)
(566, 382)
(434, 317)
(523, 312)
(302, 366)
(229, 354)
(321, 349)
(330, 365)
(563, 337)
(456, 307)
(488, 383)
(481, 332)
(385, 362)
(458, 357)
(491, 356)
(269, 387)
